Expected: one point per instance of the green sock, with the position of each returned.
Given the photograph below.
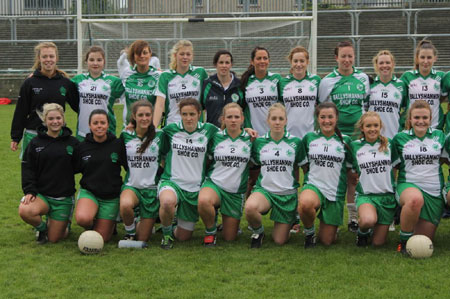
(211, 231)
(364, 233)
(167, 230)
(309, 231)
(41, 227)
(404, 236)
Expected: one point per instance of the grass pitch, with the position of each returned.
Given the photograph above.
(231, 270)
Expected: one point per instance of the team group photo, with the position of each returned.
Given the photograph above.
(222, 160)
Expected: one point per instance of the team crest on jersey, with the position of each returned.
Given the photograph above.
(436, 87)
(153, 148)
(201, 139)
(312, 88)
(234, 97)
(435, 146)
(151, 83)
(396, 95)
(245, 149)
(360, 87)
(86, 158)
(289, 153)
(105, 88)
(63, 91)
(114, 157)
(69, 149)
(339, 149)
(194, 83)
(273, 88)
(39, 149)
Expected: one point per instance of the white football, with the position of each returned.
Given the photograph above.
(419, 246)
(90, 242)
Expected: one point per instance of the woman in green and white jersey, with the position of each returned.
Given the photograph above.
(374, 158)
(185, 149)
(348, 88)
(279, 154)
(261, 90)
(420, 180)
(227, 177)
(182, 81)
(387, 93)
(143, 146)
(97, 90)
(329, 161)
(299, 92)
(425, 83)
(138, 78)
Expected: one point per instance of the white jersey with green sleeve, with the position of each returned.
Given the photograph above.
(278, 160)
(174, 87)
(427, 88)
(97, 93)
(349, 93)
(419, 160)
(142, 167)
(388, 99)
(328, 160)
(259, 96)
(138, 86)
(300, 98)
(374, 167)
(229, 169)
(186, 154)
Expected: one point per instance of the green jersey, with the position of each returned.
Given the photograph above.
(278, 160)
(229, 169)
(142, 167)
(419, 160)
(259, 96)
(174, 87)
(349, 93)
(375, 168)
(138, 86)
(328, 160)
(186, 154)
(300, 99)
(388, 99)
(426, 88)
(97, 93)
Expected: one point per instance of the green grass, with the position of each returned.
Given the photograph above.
(191, 271)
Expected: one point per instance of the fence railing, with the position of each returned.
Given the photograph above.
(165, 7)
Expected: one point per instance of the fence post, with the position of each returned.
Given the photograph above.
(246, 4)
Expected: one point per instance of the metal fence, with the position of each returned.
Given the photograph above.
(171, 7)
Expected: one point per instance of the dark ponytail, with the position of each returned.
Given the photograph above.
(251, 69)
(151, 131)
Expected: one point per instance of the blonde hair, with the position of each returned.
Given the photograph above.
(47, 107)
(418, 104)
(225, 108)
(37, 56)
(423, 45)
(173, 52)
(360, 124)
(376, 57)
(274, 107)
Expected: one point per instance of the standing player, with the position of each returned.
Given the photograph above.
(325, 181)
(182, 81)
(47, 84)
(48, 176)
(221, 88)
(226, 181)
(139, 79)
(420, 180)
(185, 148)
(99, 158)
(279, 154)
(97, 90)
(348, 88)
(374, 158)
(387, 93)
(299, 93)
(261, 90)
(424, 82)
(143, 146)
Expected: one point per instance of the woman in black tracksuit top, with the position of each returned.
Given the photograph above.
(221, 88)
(48, 176)
(99, 158)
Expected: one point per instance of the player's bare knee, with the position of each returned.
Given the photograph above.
(415, 203)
